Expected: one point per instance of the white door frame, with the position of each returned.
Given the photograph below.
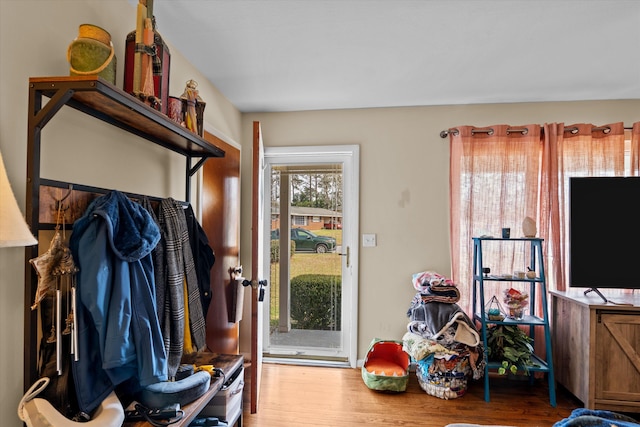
(349, 157)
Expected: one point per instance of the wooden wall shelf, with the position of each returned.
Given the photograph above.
(99, 98)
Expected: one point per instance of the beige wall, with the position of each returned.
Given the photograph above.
(404, 163)
(404, 166)
(33, 43)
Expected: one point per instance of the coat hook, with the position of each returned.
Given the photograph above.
(58, 204)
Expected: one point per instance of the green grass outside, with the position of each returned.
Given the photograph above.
(305, 263)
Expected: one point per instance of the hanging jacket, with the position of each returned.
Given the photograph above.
(119, 334)
(203, 258)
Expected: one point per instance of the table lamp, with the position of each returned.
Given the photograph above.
(14, 230)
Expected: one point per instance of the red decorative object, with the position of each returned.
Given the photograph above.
(162, 63)
(516, 302)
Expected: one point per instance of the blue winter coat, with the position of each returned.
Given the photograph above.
(119, 334)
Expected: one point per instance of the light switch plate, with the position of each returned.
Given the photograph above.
(368, 240)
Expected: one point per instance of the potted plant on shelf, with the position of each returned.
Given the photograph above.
(511, 346)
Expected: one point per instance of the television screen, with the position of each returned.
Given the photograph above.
(604, 232)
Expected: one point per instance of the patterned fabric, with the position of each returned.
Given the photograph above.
(583, 417)
(179, 265)
(442, 340)
(158, 267)
(418, 347)
(443, 375)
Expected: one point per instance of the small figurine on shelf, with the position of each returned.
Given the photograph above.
(193, 108)
(516, 302)
(531, 274)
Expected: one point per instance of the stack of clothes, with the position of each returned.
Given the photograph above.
(441, 339)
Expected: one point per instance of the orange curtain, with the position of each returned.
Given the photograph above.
(501, 174)
(494, 183)
(635, 149)
(569, 151)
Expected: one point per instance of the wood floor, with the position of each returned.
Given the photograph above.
(301, 396)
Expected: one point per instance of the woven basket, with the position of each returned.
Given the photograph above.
(94, 32)
(91, 53)
(444, 376)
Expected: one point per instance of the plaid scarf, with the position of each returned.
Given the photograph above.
(178, 267)
(158, 268)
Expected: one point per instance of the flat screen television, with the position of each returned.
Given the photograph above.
(604, 233)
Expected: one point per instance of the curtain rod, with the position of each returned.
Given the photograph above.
(572, 129)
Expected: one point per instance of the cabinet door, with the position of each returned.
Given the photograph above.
(618, 356)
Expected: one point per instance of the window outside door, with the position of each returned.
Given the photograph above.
(311, 302)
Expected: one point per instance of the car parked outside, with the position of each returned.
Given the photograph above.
(306, 241)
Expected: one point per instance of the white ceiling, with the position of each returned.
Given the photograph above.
(294, 55)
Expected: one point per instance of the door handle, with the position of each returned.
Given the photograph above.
(256, 284)
(347, 254)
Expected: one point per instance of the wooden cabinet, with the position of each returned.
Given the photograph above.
(597, 349)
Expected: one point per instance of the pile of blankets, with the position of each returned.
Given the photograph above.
(441, 338)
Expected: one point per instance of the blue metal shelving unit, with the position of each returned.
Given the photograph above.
(531, 320)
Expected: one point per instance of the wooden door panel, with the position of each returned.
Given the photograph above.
(221, 223)
(618, 361)
(256, 266)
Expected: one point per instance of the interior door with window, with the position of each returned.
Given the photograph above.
(221, 222)
(311, 222)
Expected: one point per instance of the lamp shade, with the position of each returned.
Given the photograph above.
(14, 230)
